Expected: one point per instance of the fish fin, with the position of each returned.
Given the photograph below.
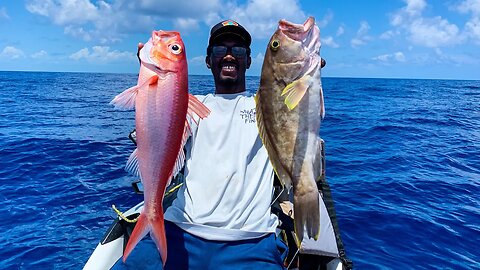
(306, 211)
(280, 171)
(179, 163)
(142, 227)
(296, 90)
(132, 164)
(159, 236)
(126, 99)
(319, 162)
(322, 103)
(196, 107)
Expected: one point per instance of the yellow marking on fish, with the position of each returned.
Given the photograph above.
(296, 90)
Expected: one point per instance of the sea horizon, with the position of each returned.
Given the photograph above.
(333, 77)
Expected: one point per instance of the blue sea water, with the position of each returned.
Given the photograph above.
(403, 162)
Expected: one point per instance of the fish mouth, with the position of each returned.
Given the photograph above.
(298, 32)
(307, 33)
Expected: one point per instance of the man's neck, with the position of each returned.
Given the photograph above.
(229, 90)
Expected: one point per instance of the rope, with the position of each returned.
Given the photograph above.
(293, 258)
(120, 214)
(278, 196)
(173, 189)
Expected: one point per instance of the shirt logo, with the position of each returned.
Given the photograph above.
(248, 116)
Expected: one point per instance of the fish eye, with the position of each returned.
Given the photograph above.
(275, 44)
(175, 48)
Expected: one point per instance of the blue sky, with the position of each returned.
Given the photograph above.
(370, 39)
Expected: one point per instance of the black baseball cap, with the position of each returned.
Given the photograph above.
(229, 27)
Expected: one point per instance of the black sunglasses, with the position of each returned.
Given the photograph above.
(221, 51)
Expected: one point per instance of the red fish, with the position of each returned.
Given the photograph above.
(162, 103)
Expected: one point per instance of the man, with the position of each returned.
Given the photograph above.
(221, 218)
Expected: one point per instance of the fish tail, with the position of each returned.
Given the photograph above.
(307, 214)
(159, 236)
(141, 229)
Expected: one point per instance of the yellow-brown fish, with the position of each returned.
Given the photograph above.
(289, 111)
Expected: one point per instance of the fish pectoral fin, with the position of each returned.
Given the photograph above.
(126, 99)
(132, 164)
(196, 107)
(296, 90)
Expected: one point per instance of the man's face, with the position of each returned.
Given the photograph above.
(229, 61)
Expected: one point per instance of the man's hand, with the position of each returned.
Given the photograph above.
(140, 46)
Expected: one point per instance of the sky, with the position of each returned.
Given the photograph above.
(416, 39)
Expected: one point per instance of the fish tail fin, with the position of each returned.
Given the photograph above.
(159, 236)
(307, 214)
(141, 229)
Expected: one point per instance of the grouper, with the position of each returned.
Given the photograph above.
(289, 109)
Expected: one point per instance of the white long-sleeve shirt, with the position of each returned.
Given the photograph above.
(228, 178)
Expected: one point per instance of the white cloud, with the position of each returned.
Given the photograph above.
(434, 32)
(340, 31)
(356, 42)
(429, 32)
(362, 35)
(399, 56)
(4, 14)
(83, 53)
(197, 60)
(328, 41)
(186, 24)
(472, 6)
(472, 27)
(10, 52)
(387, 35)
(257, 62)
(64, 12)
(393, 57)
(363, 30)
(102, 54)
(78, 32)
(194, 9)
(456, 59)
(325, 20)
(39, 54)
(415, 7)
(261, 17)
(112, 20)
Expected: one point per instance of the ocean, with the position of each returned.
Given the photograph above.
(403, 163)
